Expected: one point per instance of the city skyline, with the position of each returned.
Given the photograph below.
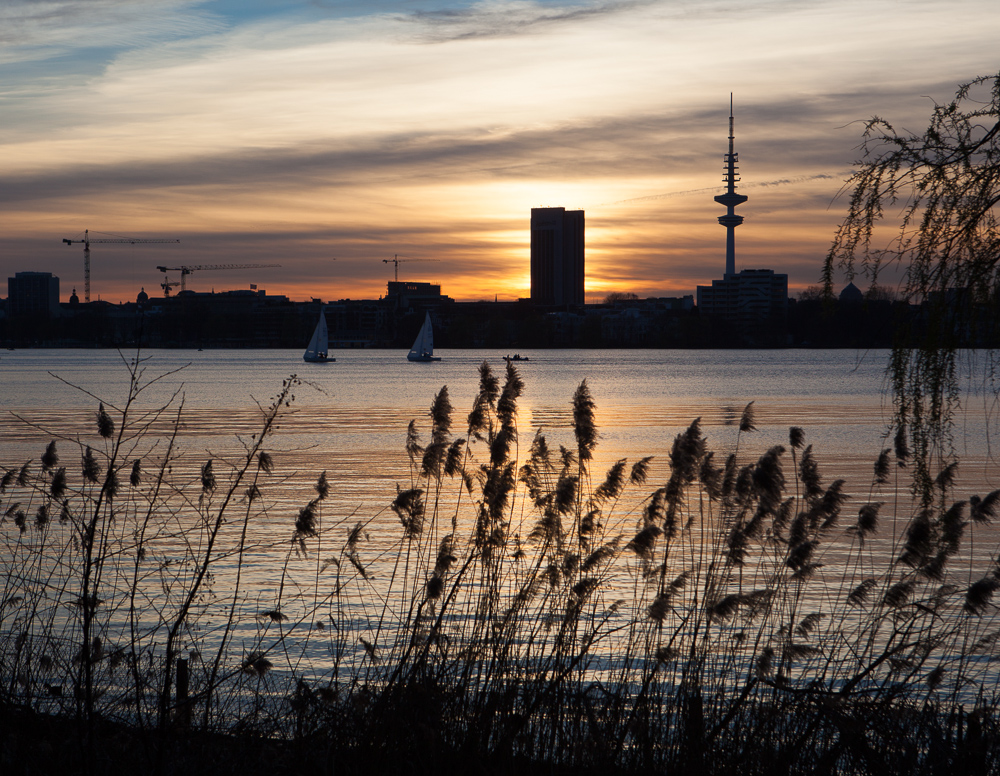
(331, 136)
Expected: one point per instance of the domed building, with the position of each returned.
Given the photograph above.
(851, 295)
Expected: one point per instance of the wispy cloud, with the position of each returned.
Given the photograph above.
(32, 30)
(742, 185)
(501, 18)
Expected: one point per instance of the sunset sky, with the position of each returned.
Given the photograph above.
(328, 136)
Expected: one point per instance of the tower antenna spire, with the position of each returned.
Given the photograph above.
(731, 199)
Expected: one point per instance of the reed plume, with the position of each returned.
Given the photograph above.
(409, 507)
(105, 426)
(91, 468)
(322, 487)
(50, 458)
(882, 467)
(305, 522)
(867, 523)
(584, 426)
(983, 510)
(58, 485)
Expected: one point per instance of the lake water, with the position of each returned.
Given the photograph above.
(351, 416)
(365, 399)
(349, 419)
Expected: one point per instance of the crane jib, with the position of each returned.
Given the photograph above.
(107, 240)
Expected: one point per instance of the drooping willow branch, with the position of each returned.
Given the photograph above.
(926, 204)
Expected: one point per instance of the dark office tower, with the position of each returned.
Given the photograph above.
(33, 293)
(557, 268)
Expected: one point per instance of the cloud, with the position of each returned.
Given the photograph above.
(497, 18)
(42, 29)
(742, 185)
(654, 145)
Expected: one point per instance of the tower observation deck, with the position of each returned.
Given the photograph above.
(731, 199)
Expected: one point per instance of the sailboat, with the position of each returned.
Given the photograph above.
(423, 346)
(316, 353)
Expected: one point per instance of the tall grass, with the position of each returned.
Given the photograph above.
(743, 615)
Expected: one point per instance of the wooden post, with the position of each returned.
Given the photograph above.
(183, 707)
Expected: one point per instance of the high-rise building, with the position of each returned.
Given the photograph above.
(33, 293)
(557, 250)
(746, 297)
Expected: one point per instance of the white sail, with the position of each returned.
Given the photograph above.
(320, 342)
(423, 345)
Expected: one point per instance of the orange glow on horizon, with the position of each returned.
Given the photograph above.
(327, 137)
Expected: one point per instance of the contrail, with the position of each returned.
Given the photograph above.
(760, 184)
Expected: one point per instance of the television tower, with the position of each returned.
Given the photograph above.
(730, 199)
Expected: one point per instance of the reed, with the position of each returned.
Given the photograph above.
(742, 615)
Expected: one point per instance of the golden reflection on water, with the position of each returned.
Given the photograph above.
(362, 448)
(362, 451)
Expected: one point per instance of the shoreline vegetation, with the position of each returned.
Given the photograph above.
(534, 615)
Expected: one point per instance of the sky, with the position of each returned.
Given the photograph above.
(345, 140)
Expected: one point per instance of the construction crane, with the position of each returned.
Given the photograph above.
(187, 269)
(396, 260)
(113, 240)
(167, 284)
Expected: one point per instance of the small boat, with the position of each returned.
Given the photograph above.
(316, 353)
(423, 345)
(516, 357)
